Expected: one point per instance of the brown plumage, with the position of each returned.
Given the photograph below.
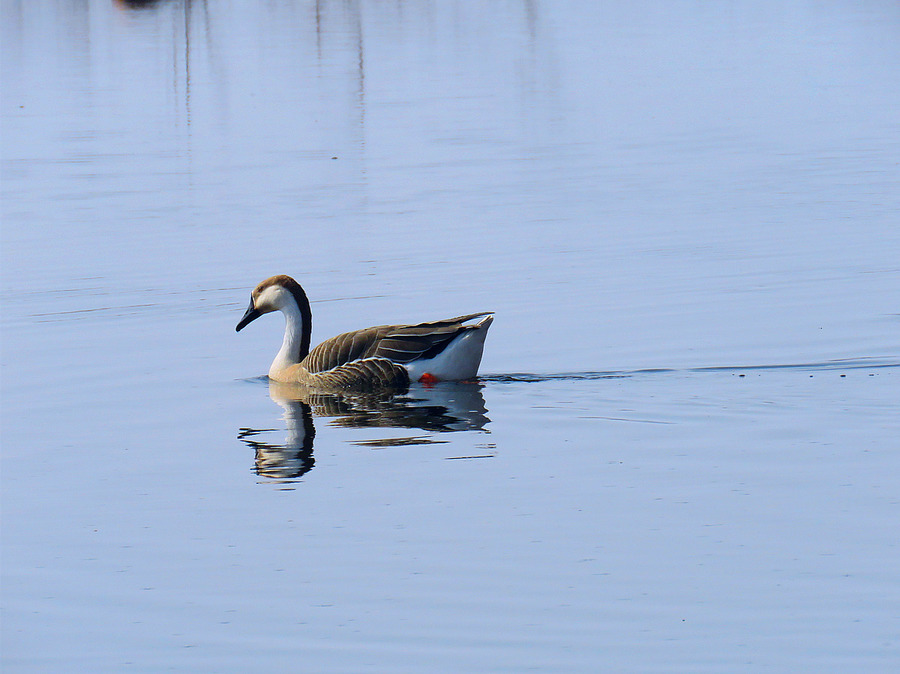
(364, 374)
(397, 343)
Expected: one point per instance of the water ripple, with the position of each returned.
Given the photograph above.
(831, 365)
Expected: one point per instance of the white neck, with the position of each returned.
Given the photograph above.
(293, 336)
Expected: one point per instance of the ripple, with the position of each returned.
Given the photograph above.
(825, 366)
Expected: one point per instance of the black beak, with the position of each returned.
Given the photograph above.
(249, 316)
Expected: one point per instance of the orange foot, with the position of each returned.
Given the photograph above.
(428, 379)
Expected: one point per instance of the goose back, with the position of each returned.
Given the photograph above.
(396, 343)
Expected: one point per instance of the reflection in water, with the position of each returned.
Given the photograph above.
(342, 32)
(138, 4)
(182, 13)
(444, 408)
(295, 456)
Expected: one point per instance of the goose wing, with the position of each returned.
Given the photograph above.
(345, 348)
(396, 343)
(363, 374)
(406, 343)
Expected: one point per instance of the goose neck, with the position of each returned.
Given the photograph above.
(297, 329)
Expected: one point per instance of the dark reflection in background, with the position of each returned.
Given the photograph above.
(198, 28)
(145, 4)
(445, 408)
(220, 103)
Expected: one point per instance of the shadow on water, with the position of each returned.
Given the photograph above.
(444, 408)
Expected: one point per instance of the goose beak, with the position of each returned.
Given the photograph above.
(249, 316)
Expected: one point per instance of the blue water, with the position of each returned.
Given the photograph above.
(682, 454)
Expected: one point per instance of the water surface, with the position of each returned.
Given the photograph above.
(682, 454)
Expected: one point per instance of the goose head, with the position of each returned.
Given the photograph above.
(278, 293)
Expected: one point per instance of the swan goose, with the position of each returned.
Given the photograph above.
(385, 356)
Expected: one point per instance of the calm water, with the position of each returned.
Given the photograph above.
(683, 455)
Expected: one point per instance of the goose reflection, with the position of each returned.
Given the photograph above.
(445, 408)
(292, 459)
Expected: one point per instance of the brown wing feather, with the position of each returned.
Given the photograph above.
(405, 348)
(343, 349)
(406, 343)
(397, 343)
(363, 374)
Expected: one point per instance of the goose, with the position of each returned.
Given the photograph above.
(384, 356)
